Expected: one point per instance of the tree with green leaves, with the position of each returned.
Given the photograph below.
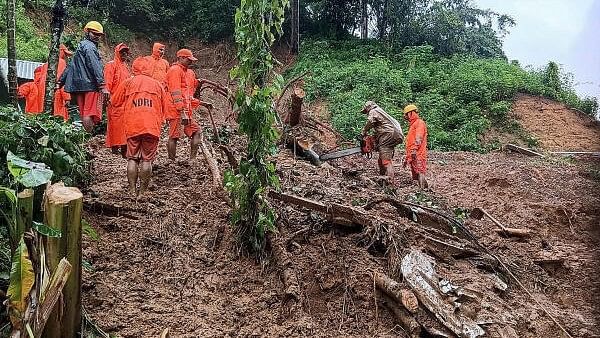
(257, 25)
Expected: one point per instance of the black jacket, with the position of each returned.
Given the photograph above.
(85, 72)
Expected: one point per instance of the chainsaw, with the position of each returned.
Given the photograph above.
(367, 145)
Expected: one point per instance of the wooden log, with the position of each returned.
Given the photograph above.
(51, 295)
(521, 150)
(63, 206)
(288, 273)
(295, 114)
(212, 163)
(478, 213)
(407, 321)
(333, 212)
(394, 290)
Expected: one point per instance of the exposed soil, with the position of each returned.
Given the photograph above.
(171, 260)
(556, 126)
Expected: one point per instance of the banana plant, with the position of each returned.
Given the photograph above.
(29, 281)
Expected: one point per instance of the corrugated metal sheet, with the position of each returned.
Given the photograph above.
(24, 68)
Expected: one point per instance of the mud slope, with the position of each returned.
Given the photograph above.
(556, 126)
(171, 261)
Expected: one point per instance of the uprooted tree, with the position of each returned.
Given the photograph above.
(257, 24)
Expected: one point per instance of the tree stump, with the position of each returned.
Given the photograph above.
(62, 211)
(296, 111)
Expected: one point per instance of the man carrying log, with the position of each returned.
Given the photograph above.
(144, 103)
(416, 145)
(388, 134)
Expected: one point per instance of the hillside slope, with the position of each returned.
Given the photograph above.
(171, 261)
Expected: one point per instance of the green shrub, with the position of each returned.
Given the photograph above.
(31, 44)
(459, 97)
(47, 139)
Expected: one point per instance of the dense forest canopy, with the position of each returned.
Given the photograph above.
(450, 26)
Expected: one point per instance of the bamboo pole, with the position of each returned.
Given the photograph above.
(63, 207)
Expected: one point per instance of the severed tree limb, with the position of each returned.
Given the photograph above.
(212, 163)
(51, 295)
(332, 211)
(407, 321)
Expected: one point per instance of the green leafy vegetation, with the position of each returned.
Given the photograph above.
(252, 216)
(31, 43)
(460, 97)
(44, 139)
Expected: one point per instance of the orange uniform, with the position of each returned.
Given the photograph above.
(144, 104)
(192, 83)
(158, 66)
(35, 92)
(29, 91)
(178, 87)
(416, 141)
(115, 73)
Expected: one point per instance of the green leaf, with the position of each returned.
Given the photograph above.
(89, 231)
(46, 230)
(30, 174)
(21, 283)
(87, 265)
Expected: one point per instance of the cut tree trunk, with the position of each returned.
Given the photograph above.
(296, 110)
(59, 12)
(11, 51)
(24, 215)
(62, 211)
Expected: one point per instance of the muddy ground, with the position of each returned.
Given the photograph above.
(171, 261)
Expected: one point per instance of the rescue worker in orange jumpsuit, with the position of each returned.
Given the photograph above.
(416, 145)
(180, 112)
(84, 77)
(388, 134)
(115, 72)
(144, 103)
(157, 64)
(29, 91)
(34, 98)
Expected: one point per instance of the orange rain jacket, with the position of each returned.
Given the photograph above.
(192, 83)
(115, 73)
(34, 98)
(144, 101)
(158, 66)
(177, 85)
(417, 138)
(29, 91)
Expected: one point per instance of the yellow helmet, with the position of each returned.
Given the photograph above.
(410, 108)
(95, 26)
